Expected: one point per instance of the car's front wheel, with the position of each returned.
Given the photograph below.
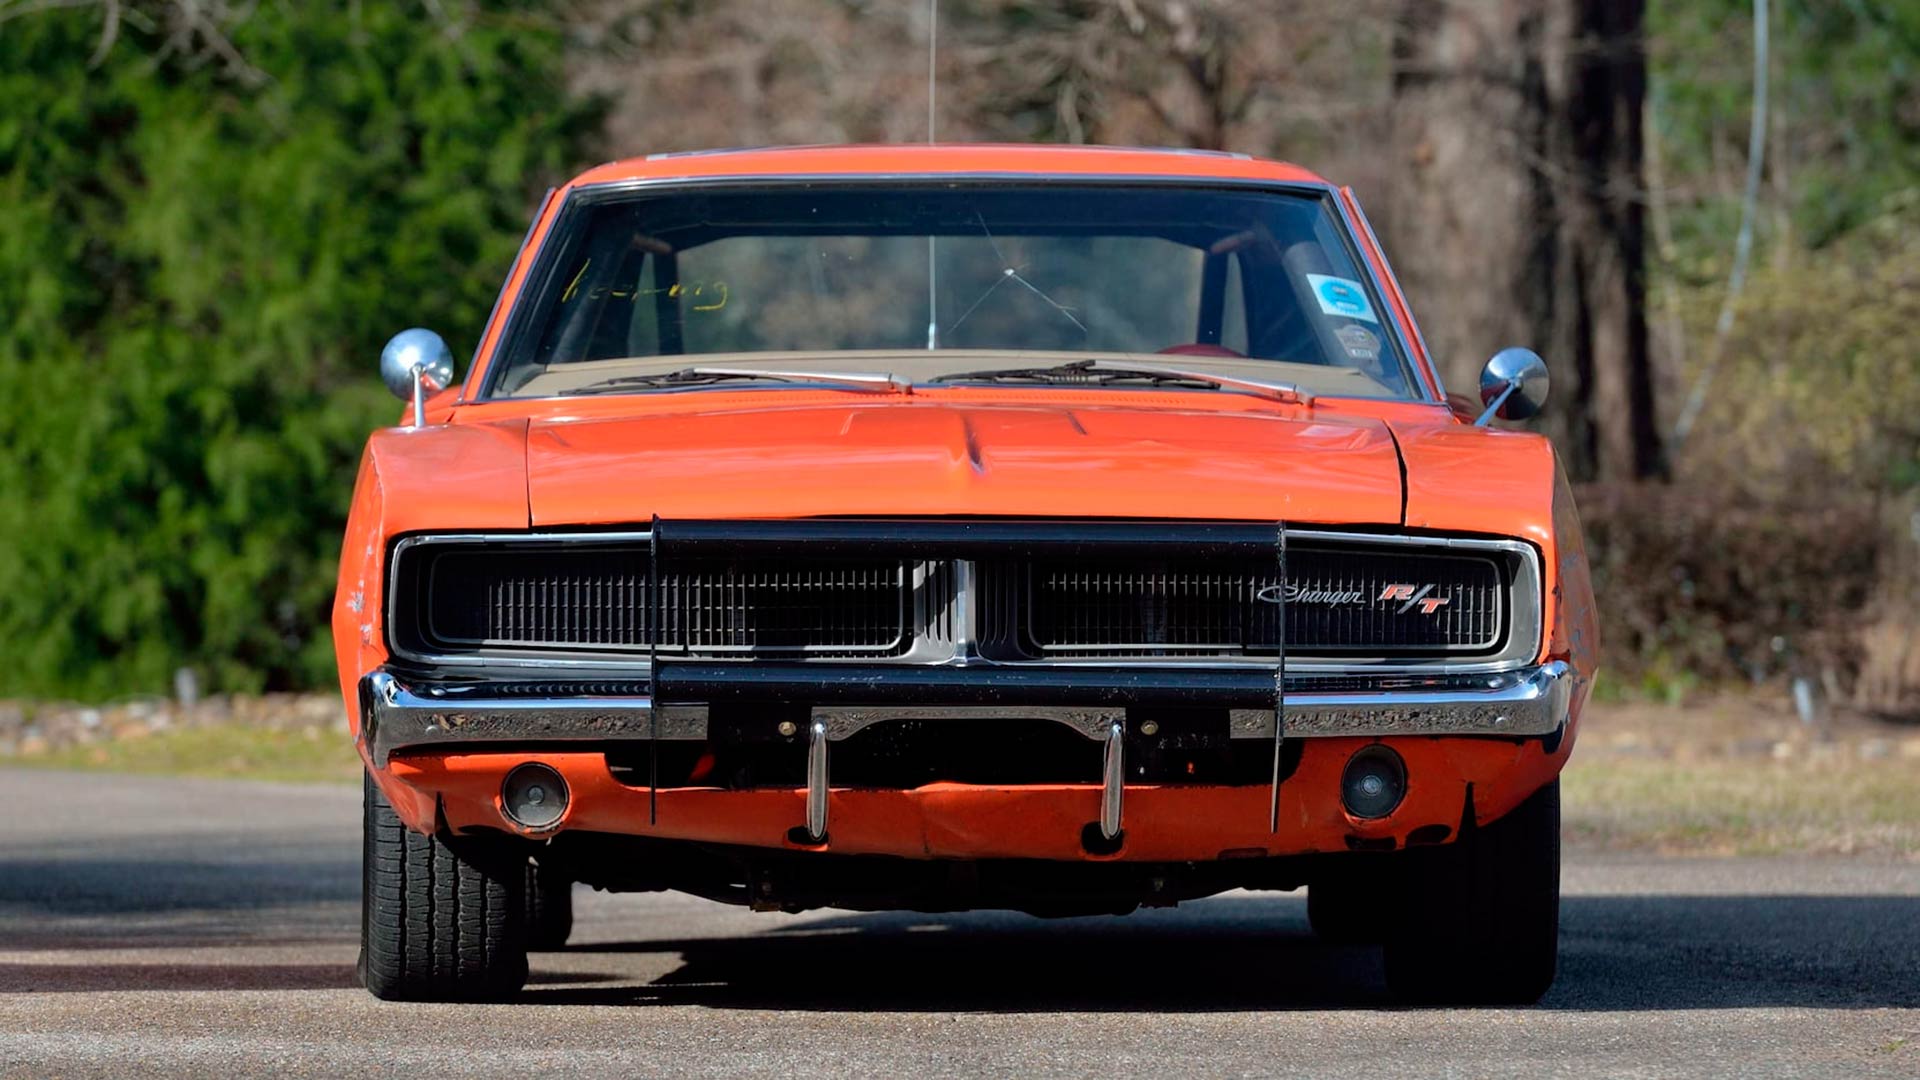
(549, 907)
(438, 923)
(1480, 918)
(1352, 906)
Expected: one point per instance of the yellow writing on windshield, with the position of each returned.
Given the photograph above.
(715, 293)
(575, 283)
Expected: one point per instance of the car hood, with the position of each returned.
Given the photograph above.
(945, 459)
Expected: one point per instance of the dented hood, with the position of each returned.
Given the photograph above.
(944, 459)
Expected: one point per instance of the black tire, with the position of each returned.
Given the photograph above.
(436, 923)
(1355, 906)
(1480, 921)
(549, 908)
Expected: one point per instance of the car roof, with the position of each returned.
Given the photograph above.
(948, 159)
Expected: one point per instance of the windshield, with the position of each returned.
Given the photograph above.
(934, 281)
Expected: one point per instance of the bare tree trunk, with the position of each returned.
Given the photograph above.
(1517, 215)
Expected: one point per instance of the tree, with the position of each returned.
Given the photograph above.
(211, 216)
(1517, 133)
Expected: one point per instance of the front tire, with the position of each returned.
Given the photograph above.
(437, 923)
(1353, 907)
(1481, 918)
(549, 908)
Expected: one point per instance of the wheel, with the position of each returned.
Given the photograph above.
(1355, 907)
(549, 907)
(437, 923)
(1480, 921)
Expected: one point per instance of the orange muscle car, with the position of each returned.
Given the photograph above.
(1055, 529)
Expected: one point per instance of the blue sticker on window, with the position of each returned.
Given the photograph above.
(1341, 296)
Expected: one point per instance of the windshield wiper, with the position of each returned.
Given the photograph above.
(1095, 373)
(880, 381)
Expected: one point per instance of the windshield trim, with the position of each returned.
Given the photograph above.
(542, 274)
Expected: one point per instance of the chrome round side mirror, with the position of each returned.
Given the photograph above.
(1513, 385)
(416, 363)
(416, 350)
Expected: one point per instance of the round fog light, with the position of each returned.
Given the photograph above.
(534, 796)
(1374, 783)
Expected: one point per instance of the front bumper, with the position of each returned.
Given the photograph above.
(1502, 739)
(400, 714)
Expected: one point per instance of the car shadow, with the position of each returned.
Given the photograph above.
(125, 886)
(1256, 953)
(82, 902)
(1235, 952)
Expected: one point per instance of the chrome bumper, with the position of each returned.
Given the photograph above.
(399, 715)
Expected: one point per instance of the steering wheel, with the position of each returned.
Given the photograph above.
(1202, 350)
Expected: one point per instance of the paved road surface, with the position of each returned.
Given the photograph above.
(199, 927)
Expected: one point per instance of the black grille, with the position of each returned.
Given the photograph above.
(1341, 602)
(1100, 599)
(594, 598)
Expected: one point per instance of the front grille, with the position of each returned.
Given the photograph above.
(593, 598)
(1108, 598)
(1340, 602)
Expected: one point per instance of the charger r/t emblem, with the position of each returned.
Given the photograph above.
(1415, 594)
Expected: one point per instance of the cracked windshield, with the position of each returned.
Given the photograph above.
(1153, 287)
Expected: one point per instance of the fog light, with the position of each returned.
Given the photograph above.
(534, 796)
(1374, 783)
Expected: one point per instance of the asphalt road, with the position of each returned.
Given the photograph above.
(205, 927)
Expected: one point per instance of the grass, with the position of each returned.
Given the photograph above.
(1742, 806)
(221, 751)
(1741, 776)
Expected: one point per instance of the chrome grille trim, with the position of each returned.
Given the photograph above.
(946, 628)
(1525, 636)
(1149, 610)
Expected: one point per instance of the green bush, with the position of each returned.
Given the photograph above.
(201, 251)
